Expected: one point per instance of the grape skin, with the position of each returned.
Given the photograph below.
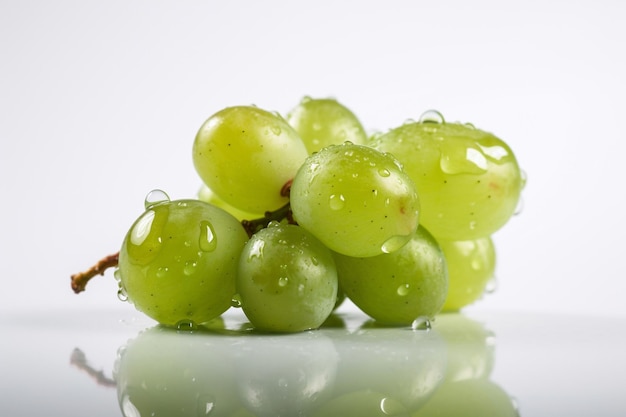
(178, 261)
(469, 180)
(287, 280)
(356, 200)
(399, 287)
(246, 155)
(322, 122)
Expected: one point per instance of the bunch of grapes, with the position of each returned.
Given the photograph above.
(297, 213)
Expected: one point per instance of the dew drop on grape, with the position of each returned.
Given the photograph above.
(162, 272)
(391, 407)
(256, 250)
(155, 197)
(492, 285)
(432, 116)
(236, 301)
(283, 281)
(336, 202)
(142, 229)
(394, 243)
(186, 325)
(403, 290)
(121, 293)
(384, 172)
(208, 240)
(421, 323)
(190, 267)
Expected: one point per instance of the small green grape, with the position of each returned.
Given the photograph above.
(399, 287)
(179, 259)
(246, 155)
(322, 122)
(471, 266)
(469, 180)
(287, 280)
(356, 200)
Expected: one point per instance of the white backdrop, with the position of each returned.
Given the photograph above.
(100, 102)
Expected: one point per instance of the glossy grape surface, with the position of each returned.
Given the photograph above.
(469, 180)
(246, 155)
(322, 122)
(356, 200)
(178, 261)
(471, 266)
(287, 280)
(399, 287)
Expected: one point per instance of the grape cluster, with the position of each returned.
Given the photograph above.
(297, 213)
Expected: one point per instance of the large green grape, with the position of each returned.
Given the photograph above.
(469, 180)
(471, 266)
(246, 155)
(179, 259)
(324, 121)
(356, 200)
(399, 287)
(287, 279)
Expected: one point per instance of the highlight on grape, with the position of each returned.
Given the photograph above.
(295, 214)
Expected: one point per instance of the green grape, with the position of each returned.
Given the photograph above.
(471, 265)
(324, 122)
(356, 200)
(400, 287)
(364, 403)
(287, 279)
(208, 196)
(246, 155)
(469, 180)
(179, 259)
(472, 397)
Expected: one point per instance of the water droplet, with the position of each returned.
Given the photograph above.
(236, 301)
(117, 274)
(315, 261)
(391, 407)
(394, 243)
(523, 178)
(472, 225)
(208, 240)
(162, 272)
(408, 121)
(128, 408)
(121, 294)
(305, 99)
(283, 281)
(206, 404)
(256, 249)
(492, 285)
(190, 267)
(186, 325)
(403, 290)
(276, 130)
(336, 202)
(384, 172)
(155, 197)
(432, 116)
(142, 229)
(421, 323)
(520, 206)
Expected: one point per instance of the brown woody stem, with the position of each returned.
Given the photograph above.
(80, 280)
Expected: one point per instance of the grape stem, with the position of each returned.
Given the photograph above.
(80, 280)
(253, 226)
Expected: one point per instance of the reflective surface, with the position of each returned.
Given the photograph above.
(121, 364)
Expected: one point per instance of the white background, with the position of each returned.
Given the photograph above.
(100, 102)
